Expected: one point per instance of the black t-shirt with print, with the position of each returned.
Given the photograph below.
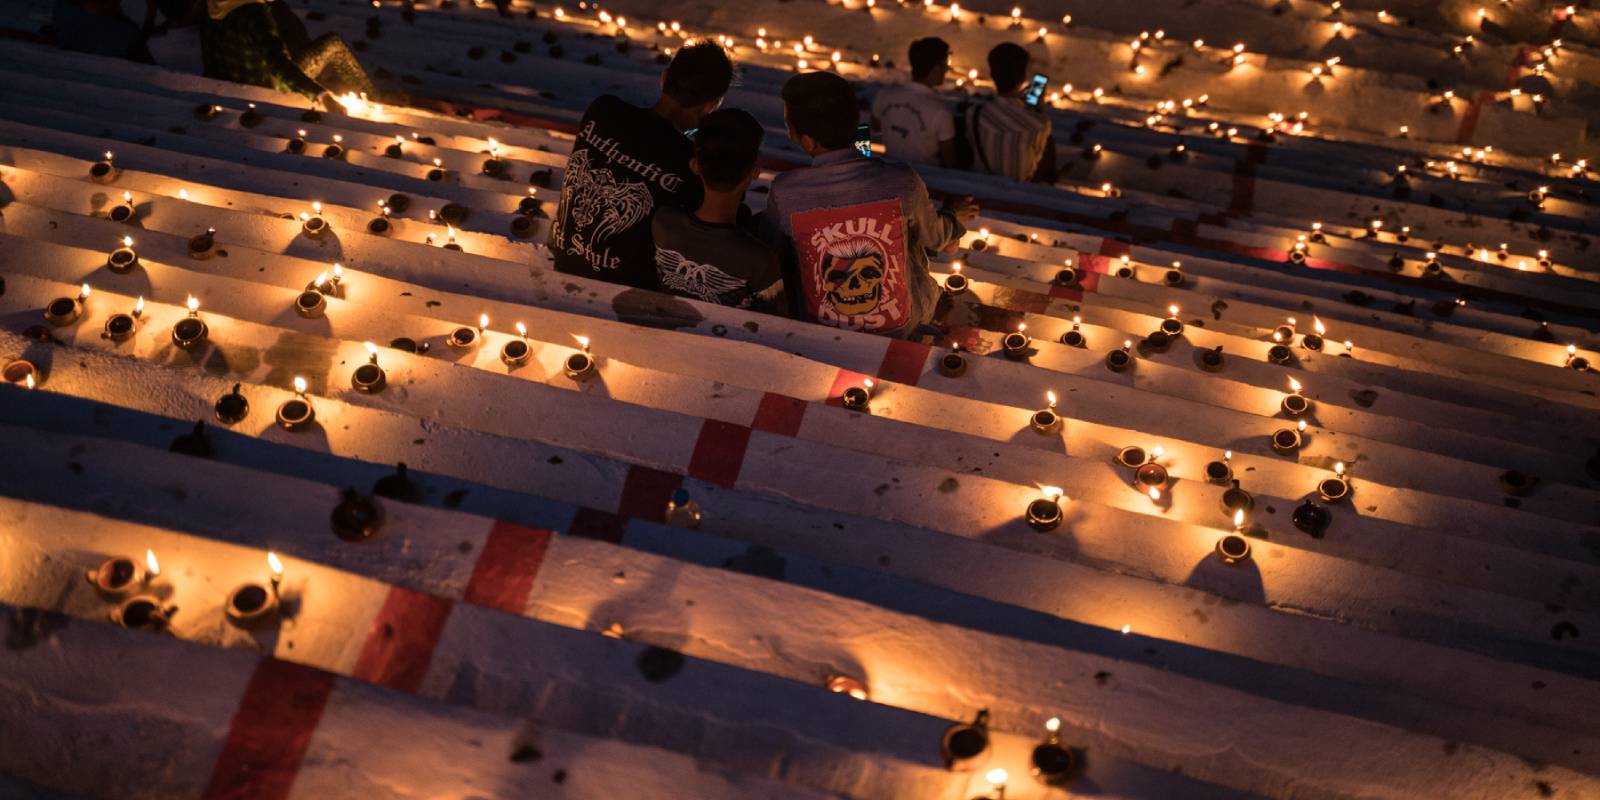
(627, 162)
(722, 264)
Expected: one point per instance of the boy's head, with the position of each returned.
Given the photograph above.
(930, 60)
(696, 80)
(726, 148)
(821, 110)
(1008, 67)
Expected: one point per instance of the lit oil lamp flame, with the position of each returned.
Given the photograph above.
(193, 303)
(274, 564)
(321, 279)
(867, 382)
(522, 330)
(1172, 311)
(152, 566)
(1155, 494)
(1338, 468)
(997, 777)
(1238, 518)
(83, 292)
(1052, 492)
(127, 197)
(483, 321)
(1052, 724)
(583, 342)
(1127, 628)
(1156, 452)
(372, 350)
(1317, 324)
(1050, 397)
(127, 241)
(338, 272)
(1227, 455)
(27, 381)
(1301, 427)
(138, 306)
(1294, 385)
(299, 385)
(316, 207)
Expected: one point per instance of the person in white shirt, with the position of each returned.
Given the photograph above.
(1008, 136)
(913, 122)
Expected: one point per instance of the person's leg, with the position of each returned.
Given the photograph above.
(329, 55)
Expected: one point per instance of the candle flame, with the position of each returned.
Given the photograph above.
(1052, 724)
(1317, 323)
(1294, 385)
(1050, 397)
(152, 566)
(299, 385)
(522, 330)
(274, 564)
(1238, 517)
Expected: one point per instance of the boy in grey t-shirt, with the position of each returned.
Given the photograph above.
(705, 254)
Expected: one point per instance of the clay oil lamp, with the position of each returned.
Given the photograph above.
(1044, 513)
(1110, 190)
(1125, 269)
(845, 684)
(251, 117)
(1066, 276)
(529, 206)
(1015, 344)
(1336, 488)
(398, 203)
(964, 742)
(450, 239)
(1234, 548)
(493, 166)
(1430, 266)
(1131, 457)
(1576, 361)
(1172, 326)
(232, 407)
(64, 311)
(380, 225)
(297, 145)
(953, 364)
(1297, 254)
(203, 245)
(336, 149)
(1212, 360)
(1374, 228)
(1295, 405)
(104, 170)
(123, 259)
(982, 242)
(121, 327)
(142, 613)
(1174, 276)
(397, 149)
(1287, 441)
(682, 511)
(1046, 420)
(296, 413)
(466, 337)
(956, 283)
(124, 211)
(369, 378)
(20, 372)
(1235, 500)
(312, 224)
(1311, 518)
(516, 352)
(1120, 360)
(1313, 341)
(1544, 259)
(205, 112)
(1220, 473)
(437, 173)
(1537, 197)
(1316, 234)
(524, 226)
(580, 366)
(856, 398)
(251, 605)
(357, 517)
(1052, 762)
(1151, 477)
(1074, 337)
(1404, 235)
(313, 301)
(1516, 483)
(117, 577)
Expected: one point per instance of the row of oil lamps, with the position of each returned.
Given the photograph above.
(119, 580)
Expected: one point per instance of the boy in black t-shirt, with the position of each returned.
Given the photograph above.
(704, 254)
(629, 161)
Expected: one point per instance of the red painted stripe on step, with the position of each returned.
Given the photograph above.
(400, 642)
(842, 380)
(719, 452)
(645, 493)
(507, 566)
(779, 414)
(903, 362)
(270, 731)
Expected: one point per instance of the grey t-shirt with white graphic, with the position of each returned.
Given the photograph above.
(720, 264)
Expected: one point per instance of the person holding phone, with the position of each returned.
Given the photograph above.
(1009, 135)
(911, 119)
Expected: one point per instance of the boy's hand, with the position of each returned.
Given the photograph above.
(964, 208)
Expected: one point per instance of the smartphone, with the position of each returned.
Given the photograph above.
(689, 134)
(864, 139)
(1036, 89)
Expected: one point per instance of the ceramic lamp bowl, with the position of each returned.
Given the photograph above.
(368, 379)
(251, 606)
(955, 284)
(1132, 457)
(1074, 338)
(581, 367)
(1233, 548)
(1118, 360)
(63, 311)
(515, 353)
(952, 365)
(296, 414)
(120, 327)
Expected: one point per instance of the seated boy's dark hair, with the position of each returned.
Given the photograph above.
(1008, 66)
(726, 147)
(698, 74)
(822, 105)
(927, 54)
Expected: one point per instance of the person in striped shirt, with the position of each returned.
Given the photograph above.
(1008, 136)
